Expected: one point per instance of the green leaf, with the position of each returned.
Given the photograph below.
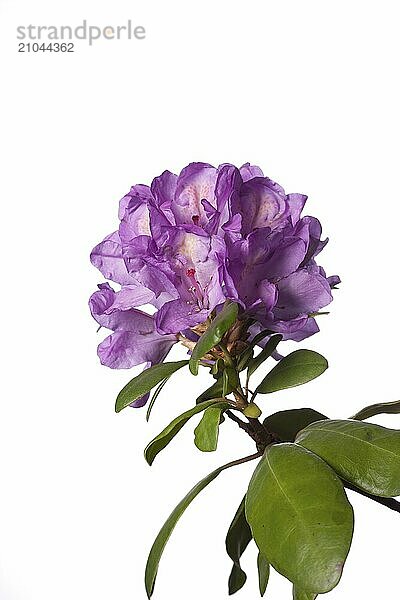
(301, 595)
(213, 335)
(364, 454)
(145, 381)
(263, 573)
(237, 540)
(297, 368)
(225, 383)
(154, 397)
(206, 432)
(168, 527)
(164, 438)
(389, 408)
(265, 353)
(300, 517)
(247, 354)
(286, 424)
(215, 391)
(217, 367)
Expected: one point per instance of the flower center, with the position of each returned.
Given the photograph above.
(195, 290)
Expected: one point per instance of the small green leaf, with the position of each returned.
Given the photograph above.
(145, 381)
(247, 354)
(300, 595)
(206, 432)
(297, 368)
(263, 573)
(215, 391)
(217, 366)
(164, 438)
(157, 392)
(252, 410)
(237, 540)
(213, 335)
(300, 517)
(389, 408)
(286, 424)
(364, 454)
(265, 353)
(159, 544)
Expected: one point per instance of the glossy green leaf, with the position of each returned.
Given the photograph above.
(263, 573)
(215, 391)
(206, 432)
(297, 368)
(164, 438)
(247, 354)
(153, 399)
(217, 367)
(146, 381)
(213, 334)
(301, 595)
(162, 538)
(237, 540)
(286, 424)
(265, 353)
(300, 517)
(364, 454)
(390, 408)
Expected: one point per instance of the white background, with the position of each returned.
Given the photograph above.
(307, 89)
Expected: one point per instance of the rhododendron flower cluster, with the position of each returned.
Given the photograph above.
(191, 241)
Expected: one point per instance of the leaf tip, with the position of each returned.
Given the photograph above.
(149, 458)
(193, 367)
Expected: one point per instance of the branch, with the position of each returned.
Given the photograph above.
(240, 461)
(255, 430)
(242, 424)
(388, 502)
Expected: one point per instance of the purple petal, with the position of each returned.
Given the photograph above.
(262, 203)
(268, 294)
(227, 187)
(131, 296)
(296, 204)
(107, 257)
(333, 280)
(249, 171)
(140, 192)
(177, 316)
(195, 183)
(101, 304)
(126, 349)
(286, 257)
(302, 293)
(314, 230)
(163, 189)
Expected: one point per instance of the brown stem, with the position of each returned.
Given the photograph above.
(255, 430)
(388, 502)
(245, 459)
(242, 424)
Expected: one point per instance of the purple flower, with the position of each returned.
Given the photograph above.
(189, 242)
